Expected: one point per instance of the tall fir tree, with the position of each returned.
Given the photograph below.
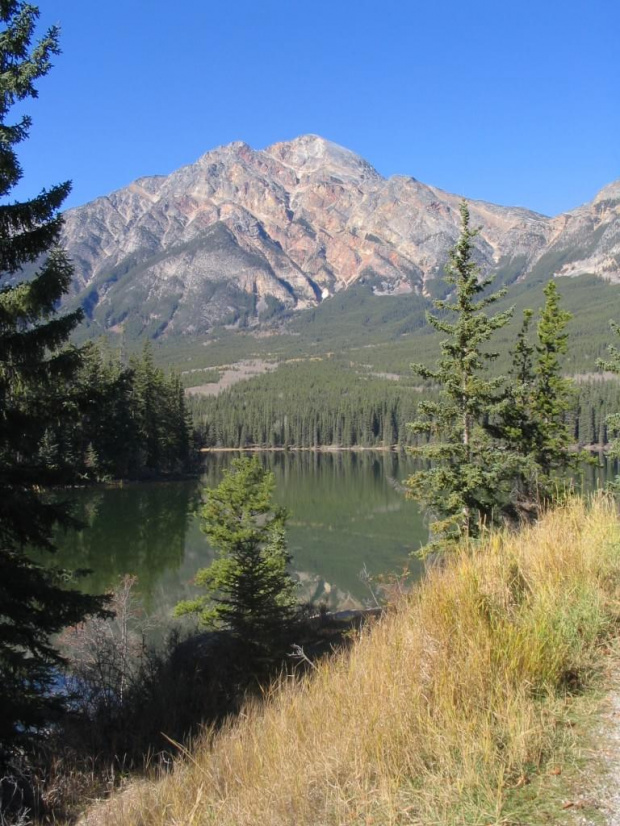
(517, 424)
(612, 420)
(467, 484)
(35, 602)
(553, 392)
(534, 420)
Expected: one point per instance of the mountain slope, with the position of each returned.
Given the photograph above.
(241, 235)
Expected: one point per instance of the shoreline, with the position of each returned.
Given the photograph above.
(600, 449)
(316, 449)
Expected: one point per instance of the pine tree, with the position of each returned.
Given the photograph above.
(34, 363)
(250, 591)
(612, 421)
(148, 391)
(553, 393)
(517, 424)
(468, 482)
(534, 417)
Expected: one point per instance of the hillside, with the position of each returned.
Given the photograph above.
(243, 237)
(464, 705)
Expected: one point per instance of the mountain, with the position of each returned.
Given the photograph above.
(241, 235)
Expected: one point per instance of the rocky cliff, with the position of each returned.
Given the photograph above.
(242, 234)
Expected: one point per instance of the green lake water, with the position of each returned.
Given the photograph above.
(348, 514)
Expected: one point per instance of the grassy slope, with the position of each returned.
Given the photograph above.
(388, 333)
(438, 715)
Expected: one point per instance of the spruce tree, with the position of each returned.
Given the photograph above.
(35, 602)
(467, 484)
(249, 589)
(518, 425)
(553, 392)
(612, 421)
(534, 417)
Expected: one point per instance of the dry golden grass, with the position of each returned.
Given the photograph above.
(435, 716)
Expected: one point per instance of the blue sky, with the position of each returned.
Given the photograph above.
(512, 102)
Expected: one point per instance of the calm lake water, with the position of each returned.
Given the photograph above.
(348, 514)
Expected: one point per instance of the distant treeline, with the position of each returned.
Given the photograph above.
(311, 404)
(595, 400)
(118, 421)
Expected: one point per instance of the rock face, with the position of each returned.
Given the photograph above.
(242, 234)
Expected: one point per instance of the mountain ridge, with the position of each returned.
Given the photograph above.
(242, 235)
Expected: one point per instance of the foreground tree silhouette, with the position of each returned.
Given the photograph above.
(35, 602)
(249, 589)
(468, 483)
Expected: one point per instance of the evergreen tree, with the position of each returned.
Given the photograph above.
(612, 421)
(534, 419)
(34, 366)
(148, 381)
(468, 482)
(250, 591)
(518, 426)
(553, 393)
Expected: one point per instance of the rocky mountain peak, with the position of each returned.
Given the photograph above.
(311, 153)
(611, 192)
(242, 234)
(226, 153)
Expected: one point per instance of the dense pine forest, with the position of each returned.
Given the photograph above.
(117, 421)
(307, 404)
(328, 402)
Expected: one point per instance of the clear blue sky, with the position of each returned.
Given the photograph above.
(512, 102)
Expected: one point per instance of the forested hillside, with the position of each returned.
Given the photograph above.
(390, 332)
(344, 378)
(331, 403)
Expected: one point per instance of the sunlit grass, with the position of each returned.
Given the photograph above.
(437, 713)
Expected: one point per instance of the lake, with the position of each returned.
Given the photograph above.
(348, 514)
